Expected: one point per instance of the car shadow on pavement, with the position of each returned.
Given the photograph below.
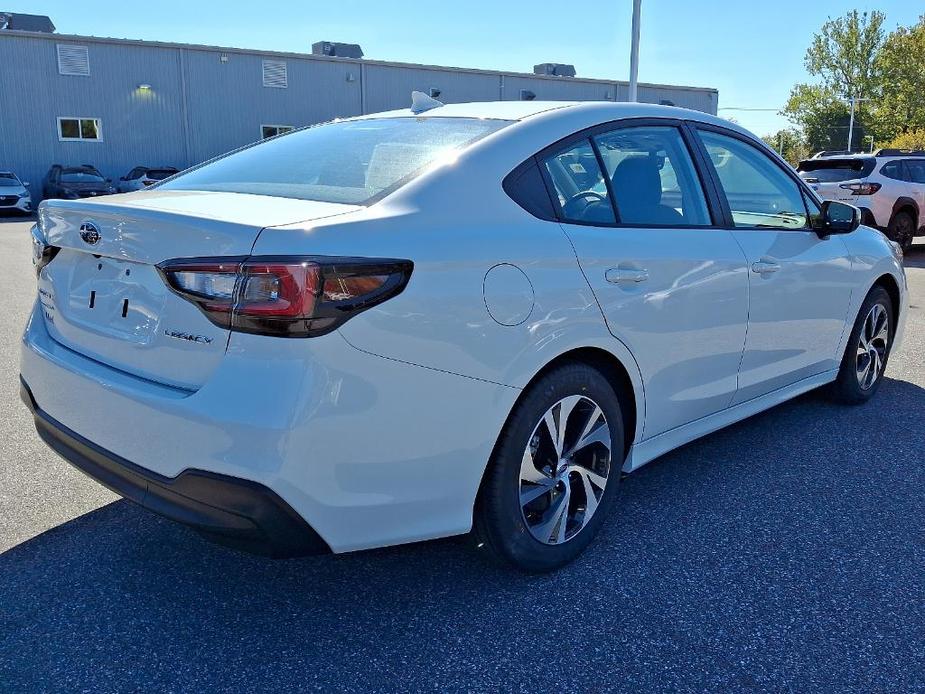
(782, 552)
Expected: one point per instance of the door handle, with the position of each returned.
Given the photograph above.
(619, 275)
(765, 267)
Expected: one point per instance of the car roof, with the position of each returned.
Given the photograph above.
(522, 110)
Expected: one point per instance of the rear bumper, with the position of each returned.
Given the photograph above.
(228, 510)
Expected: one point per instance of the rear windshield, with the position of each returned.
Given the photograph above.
(159, 174)
(351, 162)
(836, 170)
(80, 176)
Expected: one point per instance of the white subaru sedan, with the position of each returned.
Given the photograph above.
(466, 319)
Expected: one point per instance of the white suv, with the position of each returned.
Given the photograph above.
(888, 186)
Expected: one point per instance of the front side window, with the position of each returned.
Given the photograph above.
(759, 192)
(653, 177)
(352, 162)
(90, 129)
(580, 186)
(916, 169)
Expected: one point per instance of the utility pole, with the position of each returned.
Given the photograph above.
(854, 100)
(634, 53)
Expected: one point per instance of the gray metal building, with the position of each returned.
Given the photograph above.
(118, 103)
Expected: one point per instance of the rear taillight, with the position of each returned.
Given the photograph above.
(861, 188)
(42, 253)
(284, 296)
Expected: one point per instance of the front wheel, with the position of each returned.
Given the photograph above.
(554, 474)
(867, 352)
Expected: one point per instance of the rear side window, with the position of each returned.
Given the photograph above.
(894, 170)
(653, 177)
(758, 191)
(836, 170)
(353, 162)
(580, 187)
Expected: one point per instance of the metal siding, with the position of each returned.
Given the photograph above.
(559, 89)
(696, 99)
(389, 87)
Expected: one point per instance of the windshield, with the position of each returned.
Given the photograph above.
(836, 170)
(8, 180)
(349, 162)
(80, 176)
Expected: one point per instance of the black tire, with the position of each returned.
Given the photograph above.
(500, 526)
(847, 387)
(902, 229)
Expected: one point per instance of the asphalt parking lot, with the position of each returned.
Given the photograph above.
(785, 553)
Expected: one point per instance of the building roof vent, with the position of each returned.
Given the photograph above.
(337, 50)
(73, 60)
(14, 21)
(554, 69)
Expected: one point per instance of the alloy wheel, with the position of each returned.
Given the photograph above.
(872, 346)
(564, 470)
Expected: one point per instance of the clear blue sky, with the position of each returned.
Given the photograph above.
(751, 51)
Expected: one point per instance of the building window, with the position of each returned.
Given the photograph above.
(73, 60)
(275, 74)
(273, 130)
(90, 129)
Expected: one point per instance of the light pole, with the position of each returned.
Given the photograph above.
(634, 52)
(871, 138)
(854, 100)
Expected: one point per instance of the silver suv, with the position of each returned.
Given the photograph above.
(888, 186)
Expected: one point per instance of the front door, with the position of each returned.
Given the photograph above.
(799, 284)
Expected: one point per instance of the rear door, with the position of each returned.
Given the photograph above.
(915, 172)
(672, 287)
(799, 284)
(103, 296)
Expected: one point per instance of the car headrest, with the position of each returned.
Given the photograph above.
(637, 182)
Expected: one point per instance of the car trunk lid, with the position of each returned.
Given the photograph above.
(104, 297)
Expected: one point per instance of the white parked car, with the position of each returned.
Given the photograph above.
(888, 186)
(141, 177)
(423, 323)
(14, 194)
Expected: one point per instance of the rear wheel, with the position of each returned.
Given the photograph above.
(554, 475)
(867, 352)
(902, 229)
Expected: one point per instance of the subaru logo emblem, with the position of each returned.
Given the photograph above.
(90, 233)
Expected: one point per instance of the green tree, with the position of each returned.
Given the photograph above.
(843, 56)
(911, 139)
(789, 144)
(901, 65)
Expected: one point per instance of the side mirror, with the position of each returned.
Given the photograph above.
(26, 184)
(838, 218)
